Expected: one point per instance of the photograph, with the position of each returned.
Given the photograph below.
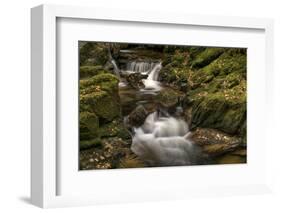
(160, 105)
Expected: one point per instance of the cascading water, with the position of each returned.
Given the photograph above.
(152, 69)
(163, 141)
(152, 83)
(116, 69)
(141, 67)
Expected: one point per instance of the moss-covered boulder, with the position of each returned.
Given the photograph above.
(89, 125)
(137, 117)
(90, 71)
(169, 97)
(175, 68)
(217, 111)
(115, 128)
(99, 108)
(218, 93)
(206, 57)
(99, 94)
(92, 53)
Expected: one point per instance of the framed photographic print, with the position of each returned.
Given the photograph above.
(130, 106)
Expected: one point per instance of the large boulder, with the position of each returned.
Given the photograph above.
(99, 94)
(206, 56)
(134, 79)
(169, 97)
(137, 117)
(90, 71)
(93, 53)
(99, 108)
(115, 128)
(217, 93)
(214, 142)
(89, 125)
(214, 111)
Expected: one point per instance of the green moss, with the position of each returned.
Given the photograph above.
(206, 57)
(218, 93)
(105, 106)
(99, 94)
(174, 76)
(85, 144)
(224, 110)
(229, 63)
(169, 97)
(89, 71)
(89, 125)
(115, 129)
(106, 82)
(92, 53)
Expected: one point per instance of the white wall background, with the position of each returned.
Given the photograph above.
(15, 105)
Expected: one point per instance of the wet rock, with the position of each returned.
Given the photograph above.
(113, 153)
(135, 79)
(89, 125)
(206, 57)
(92, 53)
(115, 128)
(169, 98)
(85, 144)
(214, 142)
(90, 71)
(137, 117)
(99, 94)
(215, 111)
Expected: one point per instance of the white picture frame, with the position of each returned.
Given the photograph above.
(44, 148)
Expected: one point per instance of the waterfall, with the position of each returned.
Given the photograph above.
(154, 73)
(116, 69)
(152, 83)
(113, 62)
(140, 66)
(163, 141)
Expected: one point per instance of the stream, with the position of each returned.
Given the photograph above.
(162, 140)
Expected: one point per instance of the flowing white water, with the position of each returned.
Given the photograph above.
(152, 69)
(163, 141)
(152, 83)
(116, 69)
(140, 66)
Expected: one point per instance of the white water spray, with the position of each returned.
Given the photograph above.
(163, 141)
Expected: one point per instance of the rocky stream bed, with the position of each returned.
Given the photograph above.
(150, 105)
